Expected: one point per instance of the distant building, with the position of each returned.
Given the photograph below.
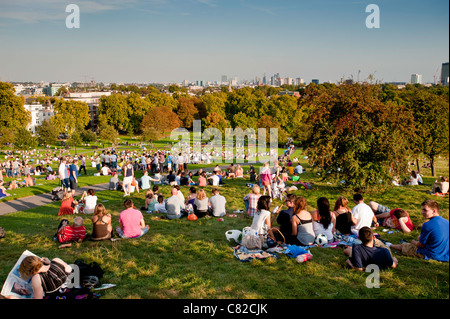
(52, 89)
(291, 93)
(416, 78)
(444, 74)
(224, 79)
(39, 113)
(299, 81)
(315, 81)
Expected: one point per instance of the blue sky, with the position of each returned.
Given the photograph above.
(176, 40)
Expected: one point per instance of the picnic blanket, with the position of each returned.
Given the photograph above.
(245, 255)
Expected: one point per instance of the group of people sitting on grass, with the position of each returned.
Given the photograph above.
(298, 226)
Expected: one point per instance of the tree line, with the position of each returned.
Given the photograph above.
(362, 133)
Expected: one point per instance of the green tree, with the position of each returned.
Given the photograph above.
(114, 110)
(24, 140)
(137, 107)
(109, 133)
(157, 98)
(7, 137)
(356, 137)
(70, 115)
(431, 127)
(13, 113)
(47, 133)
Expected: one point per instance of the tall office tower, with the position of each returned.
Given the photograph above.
(416, 78)
(264, 79)
(315, 81)
(299, 81)
(224, 79)
(444, 74)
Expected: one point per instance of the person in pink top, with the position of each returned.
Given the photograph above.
(266, 179)
(132, 224)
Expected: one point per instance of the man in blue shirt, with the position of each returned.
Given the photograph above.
(73, 176)
(368, 254)
(433, 240)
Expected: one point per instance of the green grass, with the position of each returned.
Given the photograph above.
(181, 259)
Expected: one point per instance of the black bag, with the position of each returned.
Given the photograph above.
(92, 269)
(58, 193)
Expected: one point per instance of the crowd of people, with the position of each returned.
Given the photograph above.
(292, 223)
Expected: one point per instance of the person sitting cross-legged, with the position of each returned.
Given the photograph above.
(132, 224)
(360, 256)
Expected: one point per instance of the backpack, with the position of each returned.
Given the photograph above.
(92, 269)
(58, 193)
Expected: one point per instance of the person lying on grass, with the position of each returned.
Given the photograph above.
(394, 218)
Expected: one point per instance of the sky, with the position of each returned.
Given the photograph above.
(169, 41)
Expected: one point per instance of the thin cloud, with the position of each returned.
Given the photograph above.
(31, 11)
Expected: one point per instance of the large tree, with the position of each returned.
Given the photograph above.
(431, 128)
(115, 111)
(47, 133)
(356, 137)
(70, 115)
(160, 121)
(13, 113)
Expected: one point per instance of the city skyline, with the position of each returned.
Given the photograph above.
(169, 41)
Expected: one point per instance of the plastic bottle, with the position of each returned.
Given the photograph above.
(390, 232)
(304, 257)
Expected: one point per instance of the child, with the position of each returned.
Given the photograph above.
(149, 201)
(160, 207)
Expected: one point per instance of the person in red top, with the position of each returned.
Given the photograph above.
(75, 232)
(400, 220)
(394, 218)
(67, 204)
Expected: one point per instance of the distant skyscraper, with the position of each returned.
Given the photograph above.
(315, 81)
(224, 79)
(416, 78)
(444, 74)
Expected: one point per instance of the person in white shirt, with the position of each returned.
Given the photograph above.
(105, 171)
(160, 207)
(63, 173)
(363, 214)
(90, 201)
(299, 169)
(174, 206)
(414, 179)
(215, 180)
(217, 203)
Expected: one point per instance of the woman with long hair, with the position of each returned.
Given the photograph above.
(343, 216)
(67, 204)
(101, 222)
(200, 204)
(326, 222)
(261, 220)
(302, 223)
